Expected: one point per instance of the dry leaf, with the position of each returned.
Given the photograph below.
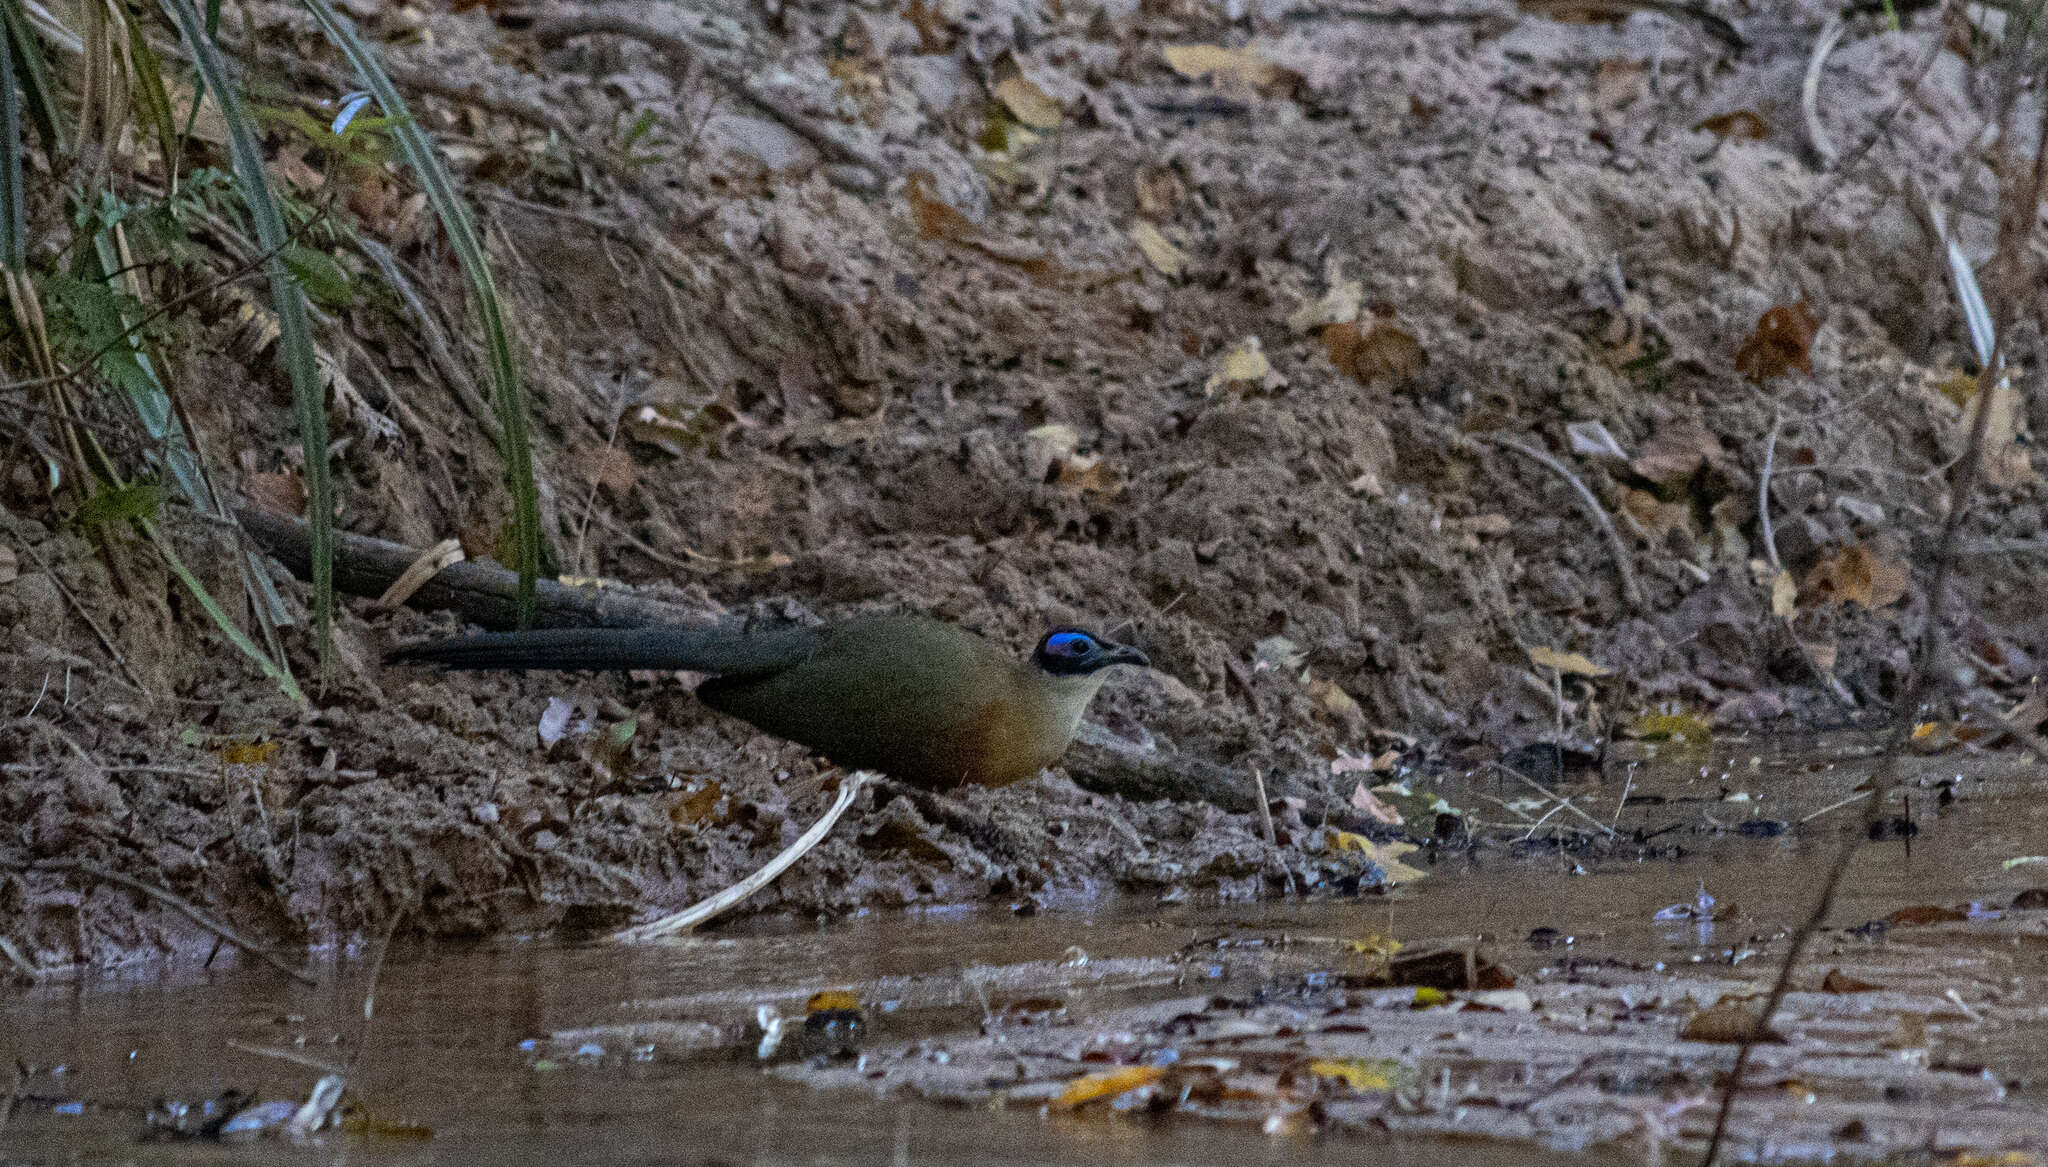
(1028, 103)
(1159, 251)
(1738, 124)
(1783, 340)
(1159, 191)
(1838, 981)
(1244, 365)
(1920, 915)
(1784, 594)
(1383, 351)
(1374, 805)
(1727, 1023)
(1387, 856)
(281, 493)
(935, 218)
(1107, 1084)
(934, 35)
(1089, 474)
(1228, 68)
(2005, 460)
(607, 466)
(1858, 575)
(1677, 452)
(1618, 83)
(1333, 698)
(1339, 305)
(1564, 662)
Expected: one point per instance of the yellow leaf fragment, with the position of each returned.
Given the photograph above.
(1226, 68)
(1784, 594)
(1358, 1073)
(1028, 103)
(1159, 251)
(1107, 1084)
(1244, 365)
(1573, 663)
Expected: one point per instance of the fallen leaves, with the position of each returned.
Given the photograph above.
(2005, 461)
(1029, 104)
(1782, 341)
(1856, 574)
(1737, 124)
(1246, 369)
(1572, 663)
(1229, 69)
(1382, 352)
(1107, 1084)
(1162, 253)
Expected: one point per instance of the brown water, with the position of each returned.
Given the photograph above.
(446, 1047)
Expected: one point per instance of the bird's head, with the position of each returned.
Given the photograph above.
(1072, 652)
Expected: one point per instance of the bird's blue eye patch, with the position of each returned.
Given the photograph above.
(1070, 643)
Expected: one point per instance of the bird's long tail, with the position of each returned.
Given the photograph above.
(710, 649)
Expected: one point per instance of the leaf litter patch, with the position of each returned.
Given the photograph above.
(1905, 1039)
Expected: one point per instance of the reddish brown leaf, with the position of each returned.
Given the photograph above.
(1783, 340)
(1738, 124)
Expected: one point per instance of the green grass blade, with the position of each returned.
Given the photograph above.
(13, 220)
(440, 190)
(220, 616)
(295, 329)
(34, 78)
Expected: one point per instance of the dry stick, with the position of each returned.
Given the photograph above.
(697, 913)
(1266, 820)
(1849, 161)
(1763, 495)
(1809, 90)
(1603, 828)
(184, 906)
(1924, 679)
(106, 641)
(1587, 503)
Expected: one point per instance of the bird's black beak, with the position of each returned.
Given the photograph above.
(1124, 654)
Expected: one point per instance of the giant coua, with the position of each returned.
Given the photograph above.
(923, 701)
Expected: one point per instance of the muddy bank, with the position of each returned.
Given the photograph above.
(1086, 361)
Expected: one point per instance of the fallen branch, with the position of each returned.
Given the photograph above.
(697, 913)
(1591, 505)
(481, 593)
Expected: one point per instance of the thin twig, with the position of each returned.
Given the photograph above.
(1532, 784)
(1591, 505)
(295, 1057)
(2014, 241)
(696, 914)
(1809, 90)
(1907, 92)
(1832, 807)
(183, 906)
(99, 633)
(1763, 495)
(1623, 804)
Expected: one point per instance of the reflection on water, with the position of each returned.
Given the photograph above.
(445, 1048)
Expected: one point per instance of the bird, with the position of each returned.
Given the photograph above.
(926, 702)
